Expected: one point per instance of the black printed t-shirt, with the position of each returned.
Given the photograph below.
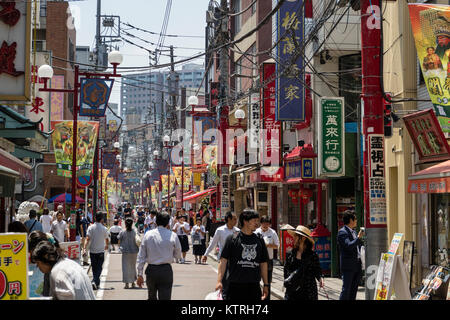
(244, 255)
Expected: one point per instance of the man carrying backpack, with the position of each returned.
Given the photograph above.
(244, 258)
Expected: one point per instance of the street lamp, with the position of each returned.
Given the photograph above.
(193, 101)
(45, 72)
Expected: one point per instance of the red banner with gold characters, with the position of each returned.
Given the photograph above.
(13, 266)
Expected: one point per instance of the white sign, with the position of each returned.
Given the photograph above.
(377, 186)
(254, 119)
(224, 195)
(15, 48)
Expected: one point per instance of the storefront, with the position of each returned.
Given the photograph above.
(432, 186)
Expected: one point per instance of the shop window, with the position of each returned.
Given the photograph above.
(439, 229)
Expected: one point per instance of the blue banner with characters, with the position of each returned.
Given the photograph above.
(94, 96)
(290, 90)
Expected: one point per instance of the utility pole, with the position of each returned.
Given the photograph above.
(373, 135)
(96, 157)
(222, 112)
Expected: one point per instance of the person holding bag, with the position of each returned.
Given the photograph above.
(302, 267)
(198, 241)
(129, 249)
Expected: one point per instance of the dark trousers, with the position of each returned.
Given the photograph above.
(97, 265)
(269, 276)
(159, 281)
(350, 281)
(243, 291)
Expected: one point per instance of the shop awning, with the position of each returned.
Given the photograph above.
(185, 195)
(9, 161)
(200, 195)
(435, 179)
(9, 172)
(243, 169)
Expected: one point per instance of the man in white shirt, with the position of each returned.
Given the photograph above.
(221, 234)
(59, 228)
(46, 221)
(272, 242)
(114, 233)
(97, 236)
(158, 249)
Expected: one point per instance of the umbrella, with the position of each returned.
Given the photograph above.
(68, 198)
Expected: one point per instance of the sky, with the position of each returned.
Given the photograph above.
(187, 17)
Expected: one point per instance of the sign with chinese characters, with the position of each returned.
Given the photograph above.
(254, 124)
(431, 29)
(293, 169)
(308, 168)
(322, 247)
(57, 98)
(72, 250)
(377, 186)
(109, 159)
(271, 138)
(40, 105)
(331, 132)
(63, 146)
(13, 266)
(224, 193)
(427, 136)
(290, 106)
(214, 95)
(94, 96)
(15, 48)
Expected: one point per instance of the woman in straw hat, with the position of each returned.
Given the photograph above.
(302, 267)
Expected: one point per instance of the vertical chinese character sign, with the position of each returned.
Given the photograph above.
(15, 48)
(290, 104)
(431, 28)
(13, 266)
(377, 186)
(331, 131)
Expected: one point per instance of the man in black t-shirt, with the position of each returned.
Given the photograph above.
(244, 258)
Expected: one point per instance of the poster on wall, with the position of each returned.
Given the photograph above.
(14, 266)
(431, 29)
(377, 186)
(63, 146)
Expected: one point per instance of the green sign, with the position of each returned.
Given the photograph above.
(331, 130)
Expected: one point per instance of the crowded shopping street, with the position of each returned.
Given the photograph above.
(255, 152)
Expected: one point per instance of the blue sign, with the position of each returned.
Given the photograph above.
(290, 97)
(307, 168)
(293, 169)
(94, 96)
(322, 247)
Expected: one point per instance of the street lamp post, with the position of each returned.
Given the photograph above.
(156, 158)
(45, 72)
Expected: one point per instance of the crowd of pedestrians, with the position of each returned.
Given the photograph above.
(160, 238)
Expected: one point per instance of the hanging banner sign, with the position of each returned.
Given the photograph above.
(427, 136)
(271, 138)
(290, 104)
(431, 29)
(63, 146)
(224, 194)
(14, 266)
(377, 186)
(109, 159)
(94, 96)
(15, 49)
(57, 98)
(331, 129)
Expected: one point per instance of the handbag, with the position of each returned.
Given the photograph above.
(137, 239)
(290, 282)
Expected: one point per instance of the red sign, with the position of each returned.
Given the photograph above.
(268, 116)
(287, 243)
(427, 136)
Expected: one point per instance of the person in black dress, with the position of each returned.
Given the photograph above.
(302, 267)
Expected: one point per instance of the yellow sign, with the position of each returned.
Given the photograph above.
(197, 179)
(13, 266)
(187, 176)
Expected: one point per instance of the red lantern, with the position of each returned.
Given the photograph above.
(306, 195)
(294, 194)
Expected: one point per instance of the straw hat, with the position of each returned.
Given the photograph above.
(303, 231)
